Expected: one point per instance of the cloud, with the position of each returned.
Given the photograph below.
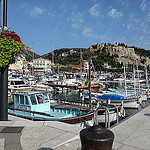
(76, 19)
(114, 13)
(143, 5)
(146, 30)
(134, 18)
(75, 25)
(37, 11)
(94, 10)
(129, 26)
(88, 32)
(124, 2)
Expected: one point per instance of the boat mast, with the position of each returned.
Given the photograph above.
(134, 79)
(125, 78)
(138, 75)
(90, 102)
(52, 57)
(80, 61)
(33, 57)
(146, 78)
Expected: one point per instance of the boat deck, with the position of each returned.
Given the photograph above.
(68, 106)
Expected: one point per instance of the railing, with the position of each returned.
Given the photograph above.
(85, 104)
(107, 115)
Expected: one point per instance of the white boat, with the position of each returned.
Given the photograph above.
(41, 87)
(18, 85)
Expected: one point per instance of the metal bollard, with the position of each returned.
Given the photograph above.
(96, 138)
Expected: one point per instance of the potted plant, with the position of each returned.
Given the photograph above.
(10, 45)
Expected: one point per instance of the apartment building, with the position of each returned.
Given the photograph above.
(41, 65)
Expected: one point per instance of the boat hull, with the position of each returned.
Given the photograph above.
(80, 119)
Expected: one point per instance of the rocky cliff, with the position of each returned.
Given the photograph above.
(125, 54)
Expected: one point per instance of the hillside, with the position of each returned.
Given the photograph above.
(28, 53)
(112, 54)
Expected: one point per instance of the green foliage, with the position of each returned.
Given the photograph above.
(99, 56)
(68, 69)
(142, 52)
(8, 49)
(9, 46)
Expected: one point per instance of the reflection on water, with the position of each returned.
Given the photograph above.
(75, 95)
(71, 95)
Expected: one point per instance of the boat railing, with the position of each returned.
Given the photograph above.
(72, 102)
(32, 112)
(107, 115)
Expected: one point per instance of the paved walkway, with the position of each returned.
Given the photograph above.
(21, 134)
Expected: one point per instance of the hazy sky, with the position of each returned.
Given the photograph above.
(79, 23)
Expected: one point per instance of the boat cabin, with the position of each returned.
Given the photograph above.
(32, 101)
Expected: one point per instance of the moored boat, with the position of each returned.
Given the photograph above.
(18, 85)
(36, 106)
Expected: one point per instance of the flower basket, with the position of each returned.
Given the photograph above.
(10, 45)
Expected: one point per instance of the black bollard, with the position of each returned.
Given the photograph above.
(96, 138)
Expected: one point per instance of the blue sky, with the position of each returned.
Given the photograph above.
(79, 23)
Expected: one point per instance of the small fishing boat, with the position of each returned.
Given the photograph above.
(106, 98)
(36, 105)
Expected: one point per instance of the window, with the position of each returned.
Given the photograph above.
(17, 99)
(26, 100)
(22, 99)
(33, 100)
(19, 82)
(11, 83)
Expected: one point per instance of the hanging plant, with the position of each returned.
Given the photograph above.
(10, 45)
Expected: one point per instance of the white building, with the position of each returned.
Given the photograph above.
(19, 64)
(42, 65)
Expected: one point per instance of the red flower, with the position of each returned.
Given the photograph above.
(11, 35)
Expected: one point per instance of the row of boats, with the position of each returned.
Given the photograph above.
(30, 99)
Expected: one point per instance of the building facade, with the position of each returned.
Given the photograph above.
(41, 65)
(19, 64)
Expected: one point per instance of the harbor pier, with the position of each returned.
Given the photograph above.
(133, 133)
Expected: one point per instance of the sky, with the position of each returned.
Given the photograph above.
(79, 23)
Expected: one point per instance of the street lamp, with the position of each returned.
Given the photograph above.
(4, 28)
(4, 76)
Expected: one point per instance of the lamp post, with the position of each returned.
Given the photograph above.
(0, 12)
(4, 76)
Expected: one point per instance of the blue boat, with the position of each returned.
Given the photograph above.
(106, 98)
(130, 101)
(36, 106)
(116, 98)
